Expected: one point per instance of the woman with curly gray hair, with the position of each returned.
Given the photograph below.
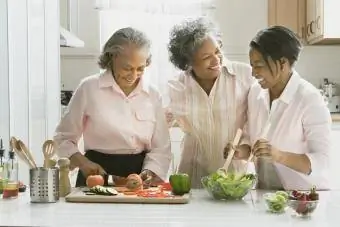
(208, 100)
(119, 116)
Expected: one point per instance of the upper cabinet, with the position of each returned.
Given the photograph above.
(314, 21)
(288, 13)
(322, 22)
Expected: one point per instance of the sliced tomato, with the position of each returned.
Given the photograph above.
(166, 186)
(152, 193)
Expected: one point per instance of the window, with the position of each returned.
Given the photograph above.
(155, 18)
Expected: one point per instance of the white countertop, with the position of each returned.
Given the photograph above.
(201, 211)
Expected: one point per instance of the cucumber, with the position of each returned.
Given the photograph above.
(100, 190)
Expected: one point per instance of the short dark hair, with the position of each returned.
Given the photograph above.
(277, 42)
(187, 37)
(116, 42)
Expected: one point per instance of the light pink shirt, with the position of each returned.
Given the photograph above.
(211, 120)
(300, 123)
(113, 123)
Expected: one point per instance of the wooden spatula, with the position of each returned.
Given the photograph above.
(49, 151)
(232, 151)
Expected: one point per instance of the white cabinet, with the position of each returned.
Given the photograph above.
(323, 18)
(82, 19)
(30, 78)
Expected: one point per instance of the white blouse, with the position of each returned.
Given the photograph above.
(300, 122)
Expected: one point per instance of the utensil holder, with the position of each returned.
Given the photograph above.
(44, 185)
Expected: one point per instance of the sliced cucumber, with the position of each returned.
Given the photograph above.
(111, 191)
(100, 190)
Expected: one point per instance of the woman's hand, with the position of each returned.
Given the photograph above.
(262, 147)
(241, 152)
(169, 118)
(150, 178)
(86, 166)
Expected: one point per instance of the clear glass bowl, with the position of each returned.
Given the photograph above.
(227, 191)
(303, 208)
(274, 205)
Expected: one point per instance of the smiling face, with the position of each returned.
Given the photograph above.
(207, 60)
(270, 74)
(129, 66)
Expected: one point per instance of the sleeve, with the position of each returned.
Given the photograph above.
(70, 127)
(159, 158)
(317, 132)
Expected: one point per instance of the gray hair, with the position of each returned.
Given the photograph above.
(187, 37)
(116, 43)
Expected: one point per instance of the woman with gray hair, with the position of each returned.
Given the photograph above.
(119, 116)
(208, 100)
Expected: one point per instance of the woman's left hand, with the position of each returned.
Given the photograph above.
(150, 178)
(262, 147)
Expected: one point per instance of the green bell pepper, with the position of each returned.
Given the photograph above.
(180, 183)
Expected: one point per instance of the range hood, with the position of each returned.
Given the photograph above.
(67, 39)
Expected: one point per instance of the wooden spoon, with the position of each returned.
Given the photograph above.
(27, 152)
(232, 151)
(49, 151)
(19, 148)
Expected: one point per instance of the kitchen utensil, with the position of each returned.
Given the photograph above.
(16, 147)
(44, 185)
(264, 135)
(26, 151)
(232, 151)
(64, 179)
(334, 104)
(78, 196)
(49, 151)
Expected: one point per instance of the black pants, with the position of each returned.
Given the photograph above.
(114, 164)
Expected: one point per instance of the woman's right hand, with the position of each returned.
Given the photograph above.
(91, 168)
(169, 118)
(242, 152)
(86, 166)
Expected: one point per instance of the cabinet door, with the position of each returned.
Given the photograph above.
(311, 20)
(288, 13)
(319, 18)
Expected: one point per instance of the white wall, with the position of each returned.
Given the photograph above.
(30, 78)
(239, 21)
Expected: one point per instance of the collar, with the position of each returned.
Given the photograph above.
(106, 80)
(227, 66)
(289, 91)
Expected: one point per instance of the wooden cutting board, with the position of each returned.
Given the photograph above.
(78, 196)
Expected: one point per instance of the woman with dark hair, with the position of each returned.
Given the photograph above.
(208, 100)
(119, 116)
(297, 140)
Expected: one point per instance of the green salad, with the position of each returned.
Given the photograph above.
(228, 186)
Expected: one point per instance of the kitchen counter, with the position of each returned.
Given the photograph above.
(200, 212)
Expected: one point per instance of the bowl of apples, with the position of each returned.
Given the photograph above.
(303, 203)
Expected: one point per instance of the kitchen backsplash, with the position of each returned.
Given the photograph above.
(316, 63)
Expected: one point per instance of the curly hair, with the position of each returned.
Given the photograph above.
(116, 43)
(187, 37)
